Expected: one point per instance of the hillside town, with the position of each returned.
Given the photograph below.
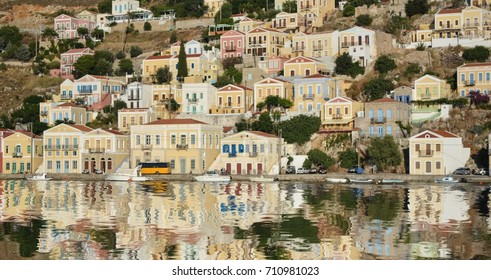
(290, 87)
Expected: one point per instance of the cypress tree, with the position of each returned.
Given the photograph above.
(182, 65)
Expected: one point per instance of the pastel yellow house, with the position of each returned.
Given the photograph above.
(313, 91)
(19, 156)
(468, 23)
(315, 45)
(233, 99)
(422, 35)
(474, 77)
(448, 23)
(130, 117)
(313, 13)
(50, 112)
(66, 93)
(264, 42)
(430, 87)
(285, 21)
(104, 150)
(303, 66)
(339, 114)
(63, 148)
(151, 64)
(188, 145)
(272, 86)
(250, 152)
(248, 24)
(436, 152)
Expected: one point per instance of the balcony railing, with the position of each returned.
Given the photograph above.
(230, 49)
(17, 154)
(378, 120)
(44, 113)
(69, 147)
(253, 154)
(425, 153)
(65, 97)
(52, 147)
(182, 146)
(298, 49)
(470, 83)
(352, 44)
(133, 97)
(96, 150)
(85, 90)
(317, 47)
(337, 116)
(232, 155)
(308, 97)
(146, 147)
(193, 100)
(475, 24)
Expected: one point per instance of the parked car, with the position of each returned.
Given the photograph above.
(313, 171)
(356, 169)
(302, 170)
(481, 171)
(462, 171)
(322, 170)
(290, 169)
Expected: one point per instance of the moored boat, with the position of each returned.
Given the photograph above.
(262, 179)
(128, 177)
(337, 180)
(447, 179)
(42, 177)
(361, 181)
(212, 176)
(392, 181)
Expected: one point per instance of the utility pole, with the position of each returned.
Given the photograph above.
(279, 151)
(32, 146)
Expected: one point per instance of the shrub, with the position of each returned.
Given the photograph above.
(147, 26)
(135, 51)
(348, 11)
(384, 64)
(363, 20)
(120, 55)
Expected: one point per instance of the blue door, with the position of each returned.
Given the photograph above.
(234, 150)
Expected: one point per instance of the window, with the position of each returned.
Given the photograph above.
(193, 164)
(225, 148)
(462, 77)
(50, 165)
(438, 147)
(157, 139)
(261, 148)
(389, 130)
(418, 165)
(193, 139)
(371, 130)
(183, 139)
(479, 77)
(7, 166)
(173, 139)
(417, 148)
(389, 113)
(438, 165)
(138, 140)
(148, 139)
(172, 164)
(29, 149)
(74, 164)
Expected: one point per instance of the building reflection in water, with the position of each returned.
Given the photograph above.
(241, 221)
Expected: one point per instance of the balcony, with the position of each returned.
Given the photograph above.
(317, 48)
(425, 153)
(17, 154)
(337, 116)
(378, 120)
(253, 154)
(193, 100)
(96, 150)
(470, 25)
(85, 90)
(146, 147)
(232, 155)
(134, 98)
(52, 148)
(298, 49)
(470, 83)
(230, 49)
(44, 113)
(65, 97)
(182, 146)
(69, 147)
(308, 97)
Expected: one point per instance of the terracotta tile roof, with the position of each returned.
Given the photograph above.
(445, 133)
(233, 87)
(113, 131)
(227, 128)
(476, 64)
(316, 76)
(450, 11)
(175, 121)
(133, 110)
(68, 104)
(194, 55)
(158, 57)
(385, 99)
(260, 133)
(78, 50)
(81, 127)
(25, 132)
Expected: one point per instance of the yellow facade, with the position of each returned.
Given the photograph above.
(430, 87)
(303, 66)
(18, 154)
(315, 44)
(130, 117)
(471, 22)
(272, 86)
(50, 112)
(104, 150)
(313, 13)
(313, 91)
(66, 92)
(422, 35)
(339, 114)
(264, 42)
(474, 77)
(151, 64)
(63, 148)
(248, 24)
(233, 99)
(188, 145)
(288, 21)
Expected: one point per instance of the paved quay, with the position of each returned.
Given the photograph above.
(284, 177)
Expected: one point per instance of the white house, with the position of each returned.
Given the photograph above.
(359, 42)
(197, 98)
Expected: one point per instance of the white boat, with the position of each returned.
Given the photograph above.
(391, 181)
(447, 179)
(361, 181)
(42, 177)
(212, 176)
(337, 180)
(262, 179)
(128, 177)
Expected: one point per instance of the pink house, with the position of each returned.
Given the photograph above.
(66, 26)
(272, 65)
(232, 44)
(69, 58)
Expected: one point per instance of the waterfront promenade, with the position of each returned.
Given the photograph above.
(284, 177)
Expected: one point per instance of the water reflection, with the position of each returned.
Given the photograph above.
(185, 220)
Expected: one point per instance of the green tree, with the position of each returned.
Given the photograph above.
(9, 51)
(377, 88)
(224, 13)
(289, 6)
(384, 152)
(274, 101)
(396, 24)
(172, 106)
(412, 69)
(346, 66)
(300, 128)
(384, 64)
(22, 53)
(135, 51)
(478, 53)
(147, 26)
(97, 34)
(242, 125)
(173, 37)
(264, 123)
(363, 20)
(104, 55)
(102, 68)
(416, 7)
(125, 66)
(10, 33)
(49, 33)
(319, 158)
(307, 163)
(349, 10)
(83, 66)
(3, 67)
(163, 75)
(82, 31)
(120, 55)
(348, 158)
(182, 64)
